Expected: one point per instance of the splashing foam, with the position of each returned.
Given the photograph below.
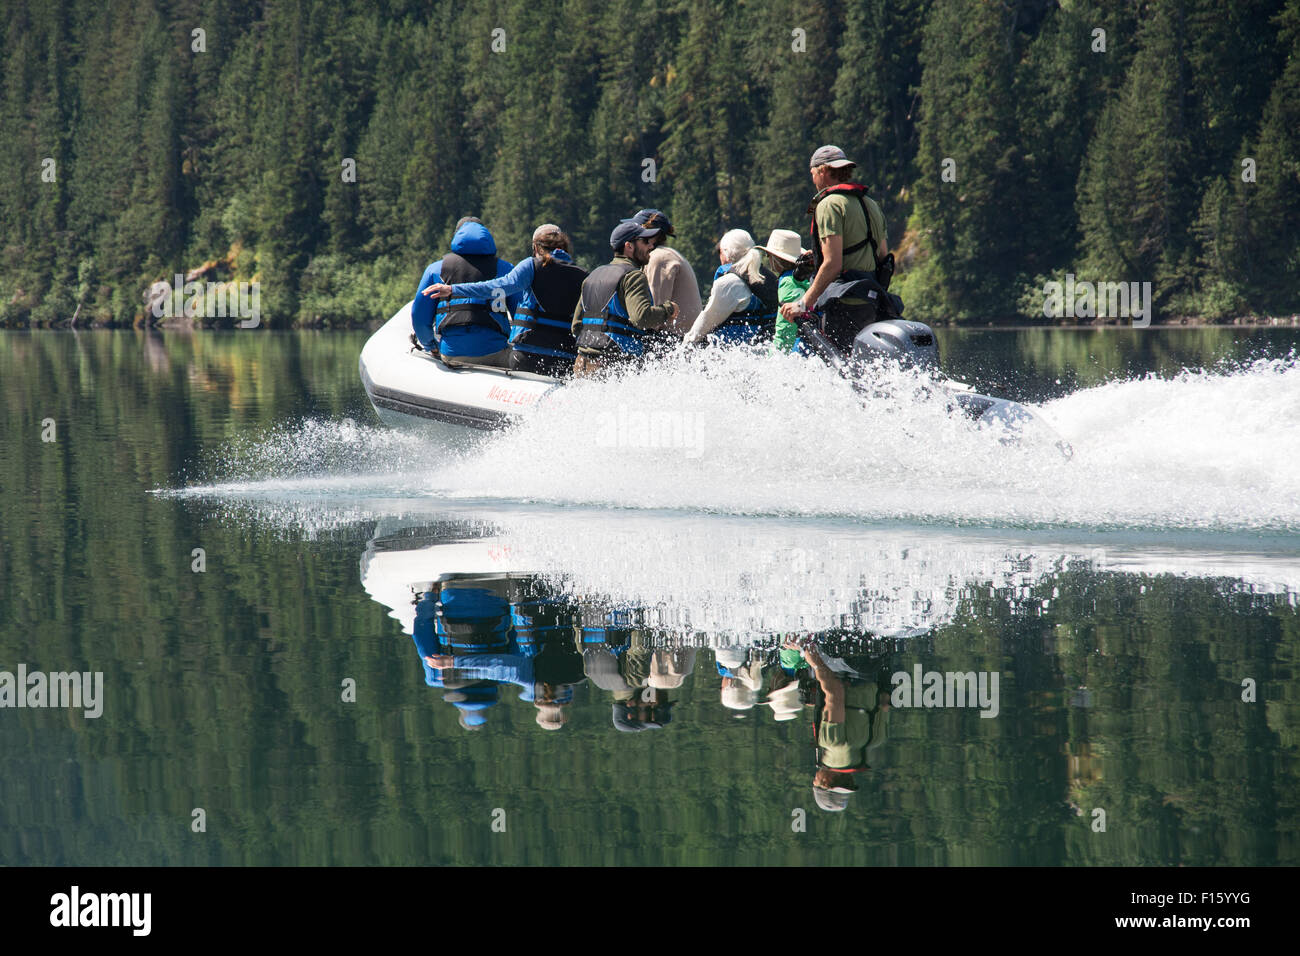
(739, 580)
(737, 433)
(747, 434)
(321, 457)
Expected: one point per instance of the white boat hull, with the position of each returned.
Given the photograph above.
(408, 387)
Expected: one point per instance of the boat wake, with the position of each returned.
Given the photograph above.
(742, 434)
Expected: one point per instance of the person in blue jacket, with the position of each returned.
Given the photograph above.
(463, 635)
(471, 330)
(473, 639)
(549, 284)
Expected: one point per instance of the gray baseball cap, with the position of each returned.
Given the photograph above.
(545, 229)
(830, 800)
(831, 156)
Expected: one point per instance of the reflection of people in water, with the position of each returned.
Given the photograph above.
(544, 631)
(472, 640)
(621, 660)
(741, 670)
(785, 688)
(471, 698)
(460, 626)
(670, 666)
(647, 709)
(850, 720)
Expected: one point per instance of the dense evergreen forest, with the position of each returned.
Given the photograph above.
(325, 148)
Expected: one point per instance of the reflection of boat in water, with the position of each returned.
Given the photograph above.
(721, 581)
(480, 629)
(676, 625)
(397, 569)
(617, 618)
(782, 589)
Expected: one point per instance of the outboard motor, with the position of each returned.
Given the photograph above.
(909, 343)
(913, 344)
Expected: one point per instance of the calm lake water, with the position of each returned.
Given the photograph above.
(324, 642)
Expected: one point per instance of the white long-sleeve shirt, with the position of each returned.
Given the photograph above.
(729, 294)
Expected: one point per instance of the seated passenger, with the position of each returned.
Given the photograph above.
(742, 676)
(615, 312)
(783, 250)
(669, 275)
(473, 330)
(743, 303)
(549, 283)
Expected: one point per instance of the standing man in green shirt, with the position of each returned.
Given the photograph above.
(848, 231)
(850, 721)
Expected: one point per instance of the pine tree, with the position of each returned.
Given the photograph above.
(1276, 198)
(569, 93)
(1226, 255)
(710, 110)
(876, 87)
(799, 116)
(1124, 163)
(1055, 114)
(1136, 196)
(968, 128)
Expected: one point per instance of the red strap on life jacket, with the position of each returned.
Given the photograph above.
(852, 188)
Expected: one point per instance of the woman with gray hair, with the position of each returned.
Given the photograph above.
(743, 303)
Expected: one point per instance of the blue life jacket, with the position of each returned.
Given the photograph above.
(541, 328)
(605, 323)
(472, 620)
(538, 621)
(465, 326)
(469, 310)
(757, 320)
(610, 628)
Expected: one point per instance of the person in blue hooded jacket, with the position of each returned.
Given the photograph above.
(549, 284)
(466, 643)
(470, 330)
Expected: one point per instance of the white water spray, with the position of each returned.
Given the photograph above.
(760, 435)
